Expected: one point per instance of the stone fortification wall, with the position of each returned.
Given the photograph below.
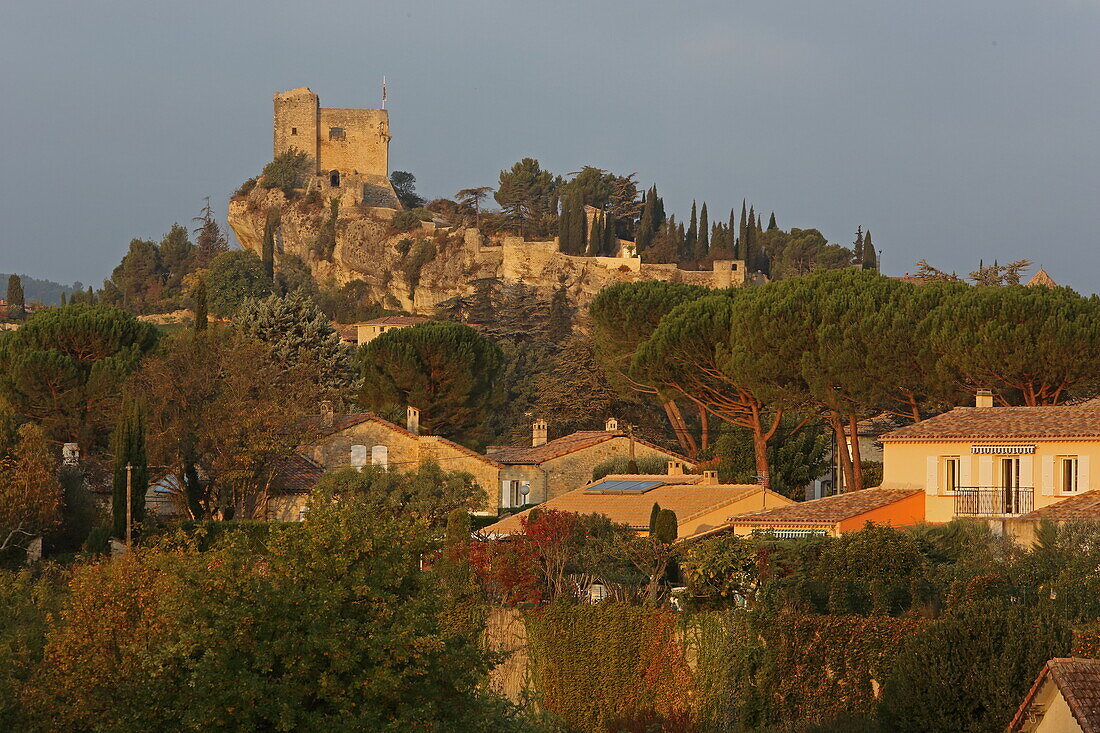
(296, 122)
(364, 145)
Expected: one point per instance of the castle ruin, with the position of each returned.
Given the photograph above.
(349, 147)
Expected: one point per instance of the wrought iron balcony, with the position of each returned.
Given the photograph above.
(993, 501)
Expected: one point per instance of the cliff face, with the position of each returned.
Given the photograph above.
(439, 269)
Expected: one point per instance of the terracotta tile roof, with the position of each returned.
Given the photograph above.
(688, 500)
(826, 510)
(530, 455)
(1083, 506)
(343, 422)
(296, 474)
(1078, 680)
(1063, 421)
(1042, 278)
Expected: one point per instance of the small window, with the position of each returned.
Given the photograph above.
(1067, 474)
(294, 131)
(335, 133)
(951, 473)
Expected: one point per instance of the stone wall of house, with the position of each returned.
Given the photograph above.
(334, 451)
(346, 140)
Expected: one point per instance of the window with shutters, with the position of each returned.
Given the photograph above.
(1067, 474)
(951, 474)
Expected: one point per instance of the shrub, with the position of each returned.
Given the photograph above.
(286, 171)
(422, 252)
(245, 188)
(968, 671)
(621, 464)
(405, 221)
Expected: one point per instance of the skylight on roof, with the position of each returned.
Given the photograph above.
(621, 486)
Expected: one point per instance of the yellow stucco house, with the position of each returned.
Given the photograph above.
(996, 463)
(1064, 699)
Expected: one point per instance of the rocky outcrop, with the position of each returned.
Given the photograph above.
(438, 268)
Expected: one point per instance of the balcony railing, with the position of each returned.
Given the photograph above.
(993, 501)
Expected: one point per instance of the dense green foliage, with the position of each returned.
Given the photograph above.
(130, 478)
(65, 369)
(300, 335)
(286, 171)
(446, 370)
(234, 277)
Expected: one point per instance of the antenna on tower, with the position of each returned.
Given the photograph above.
(383, 92)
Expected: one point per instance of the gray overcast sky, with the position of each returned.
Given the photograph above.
(953, 130)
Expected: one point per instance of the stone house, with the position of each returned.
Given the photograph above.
(550, 468)
(367, 331)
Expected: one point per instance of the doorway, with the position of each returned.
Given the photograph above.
(1010, 484)
(334, 179)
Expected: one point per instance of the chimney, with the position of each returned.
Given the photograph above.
(984, 398)
(710, 478)
(412, 420)
(675, 468)
(611, 425)
(327, 415)
(538, 433)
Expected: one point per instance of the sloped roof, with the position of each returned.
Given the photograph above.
(1042, 278)
(1079, 682)
(826, 510)
(530, 455)
(688, 500)
(343, 422)
(1083, 506)
(296, 474)
(1061, 421)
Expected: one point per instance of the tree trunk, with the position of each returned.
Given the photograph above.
(844, 459)
(704, 428)
(857, 464)
(683, 435)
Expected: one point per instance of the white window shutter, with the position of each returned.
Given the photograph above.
(965, 461)
(1047, 485)
(1027, 472)
(932, 475)
(505, 495)
(1083, 482)
(985, 471)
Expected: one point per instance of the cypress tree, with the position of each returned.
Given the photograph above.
(702, 245)
(870, 258)
(91, 296)
(857, 246)
(268, 251)
(595, 237)
(610, 235)
(658, 210)
(17, 305)
(62, 298)
(664, 527)
(128, 446)
(771, 222)
(199, 294)
(692, 235)
(750, 240)
(759, 227)
(565, 227)
(654, 513)
(743, 235)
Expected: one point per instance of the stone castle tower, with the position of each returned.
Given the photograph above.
(341, 141)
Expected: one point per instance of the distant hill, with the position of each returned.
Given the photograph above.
(46, 292)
